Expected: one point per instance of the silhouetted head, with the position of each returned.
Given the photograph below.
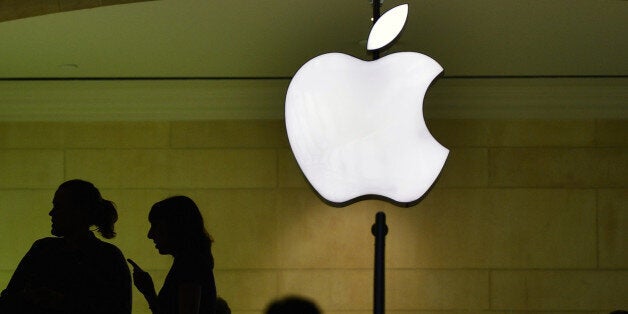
(293, 305)
(222, 307)
(177, 227)
(78, 205)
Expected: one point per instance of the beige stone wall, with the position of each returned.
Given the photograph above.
(529, 216)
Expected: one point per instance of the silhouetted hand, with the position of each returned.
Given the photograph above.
(143, 281)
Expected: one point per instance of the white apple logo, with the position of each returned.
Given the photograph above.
(356, 127)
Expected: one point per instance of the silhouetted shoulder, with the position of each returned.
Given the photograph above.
(193, 269)
(47, 244)
(107, 256)
(48, 241)
(109, 248)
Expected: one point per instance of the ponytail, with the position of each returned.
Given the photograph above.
(101, 212)
(104, 217)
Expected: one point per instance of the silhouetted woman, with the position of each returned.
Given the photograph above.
(177, 229)
(73, 272)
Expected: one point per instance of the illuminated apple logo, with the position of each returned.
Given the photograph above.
(356, 127)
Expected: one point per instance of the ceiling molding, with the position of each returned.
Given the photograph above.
(447, 98)
(273, 38)
(19, 9)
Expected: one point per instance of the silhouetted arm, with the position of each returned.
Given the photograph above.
(113, 291)
(144, 283)
(189, 298)
(16, 292)
(122, 289)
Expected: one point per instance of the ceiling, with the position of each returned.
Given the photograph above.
(273, 38)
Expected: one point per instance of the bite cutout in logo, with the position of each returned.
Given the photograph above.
(356, 127)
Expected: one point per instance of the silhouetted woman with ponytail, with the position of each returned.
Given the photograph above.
(73, 272)
(177, 229)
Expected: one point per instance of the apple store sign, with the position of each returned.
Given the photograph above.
(356, 127)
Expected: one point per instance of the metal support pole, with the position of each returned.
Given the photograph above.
(379, 230)
(377, 4)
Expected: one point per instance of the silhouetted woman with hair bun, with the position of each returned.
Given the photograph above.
(177, 229)
(73, 272)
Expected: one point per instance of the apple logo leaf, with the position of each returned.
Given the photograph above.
(387, 27)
